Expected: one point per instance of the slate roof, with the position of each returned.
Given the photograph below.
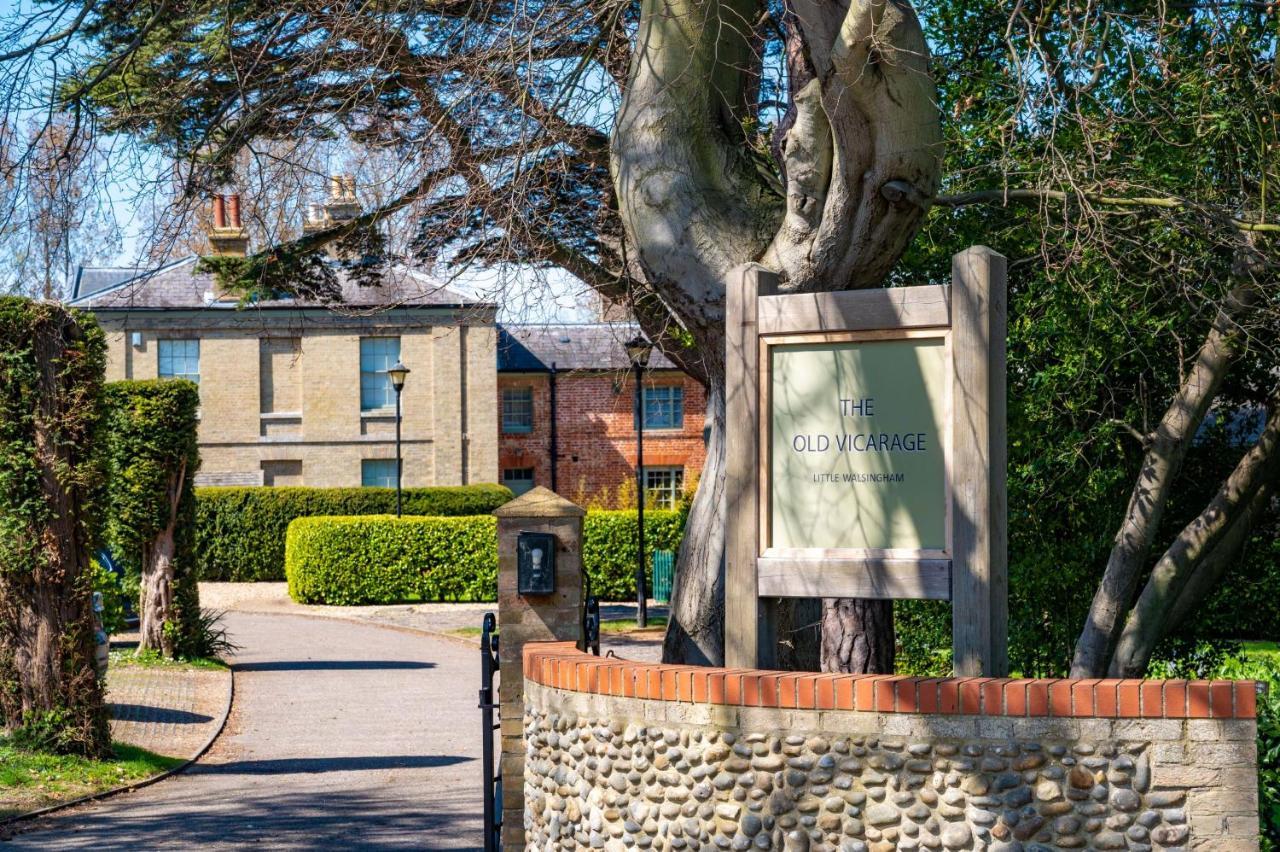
(178, 286)
(569, 346)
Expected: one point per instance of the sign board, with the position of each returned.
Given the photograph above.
(857, 455)
(866, 453)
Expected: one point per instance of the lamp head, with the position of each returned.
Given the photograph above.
(638, 350)
(398, 373)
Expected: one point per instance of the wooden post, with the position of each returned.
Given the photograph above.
(750, 629)
(542, 618)
(979, 584)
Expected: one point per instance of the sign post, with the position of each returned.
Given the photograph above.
(871, 462)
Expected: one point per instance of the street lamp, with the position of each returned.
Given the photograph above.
(638, 351)
(398, 373)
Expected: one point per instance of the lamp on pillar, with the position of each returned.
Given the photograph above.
(638, 351)
(398, 372)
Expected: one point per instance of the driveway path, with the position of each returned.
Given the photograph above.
(343, 736)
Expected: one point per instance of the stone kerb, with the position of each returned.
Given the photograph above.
(623, 754)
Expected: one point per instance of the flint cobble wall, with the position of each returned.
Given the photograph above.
(608, 770)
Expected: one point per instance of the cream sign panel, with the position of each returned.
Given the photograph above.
(857, 455)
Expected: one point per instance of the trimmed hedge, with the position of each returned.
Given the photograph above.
(609, 544)
(240, 532)
(384, 559)
(372, 559)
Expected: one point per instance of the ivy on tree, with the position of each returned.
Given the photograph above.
(51, 368)
(152, 459)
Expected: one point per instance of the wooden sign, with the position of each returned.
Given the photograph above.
(867, 453)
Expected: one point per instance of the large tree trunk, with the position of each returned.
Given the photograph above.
(156, 610)
(857, 636)
(46, 613)
(695, 626)
(861, 158)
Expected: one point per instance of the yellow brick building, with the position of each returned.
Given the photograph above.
(291, 391)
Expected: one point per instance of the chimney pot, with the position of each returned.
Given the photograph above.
(233, 210)
(219, 211)
(335, 187)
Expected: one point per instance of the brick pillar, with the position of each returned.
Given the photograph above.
(540, 618)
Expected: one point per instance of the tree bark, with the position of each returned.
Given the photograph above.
(695, 624)
(861, 158)
(1161, 463)
(46, 607)
(1221, 559)
(857, 636)
(156, 609)
(1146, 623)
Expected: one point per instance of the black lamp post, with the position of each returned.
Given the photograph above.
(638, 350)
(398, 373)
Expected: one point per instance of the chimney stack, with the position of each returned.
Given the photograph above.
(341, 206)
(227, 237)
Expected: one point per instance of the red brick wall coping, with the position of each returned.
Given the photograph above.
(562, 666)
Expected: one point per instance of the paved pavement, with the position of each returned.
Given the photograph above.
(343, 736)
(170, 710)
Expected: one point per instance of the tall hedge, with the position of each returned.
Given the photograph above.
(383, 559)
(240, 532)
(51, 368)
(152, 459)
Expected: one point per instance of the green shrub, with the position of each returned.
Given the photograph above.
(382, 559)
(152, 459)
(372, 559)
(609, 544)
(240, 532)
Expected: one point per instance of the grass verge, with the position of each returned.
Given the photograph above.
(153, 660)
(33, 780)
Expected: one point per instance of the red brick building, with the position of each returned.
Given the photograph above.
(566, 416)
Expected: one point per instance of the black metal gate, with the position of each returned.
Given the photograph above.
(490, 722)
(490, 714)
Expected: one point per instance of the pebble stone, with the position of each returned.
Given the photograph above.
(600, 784)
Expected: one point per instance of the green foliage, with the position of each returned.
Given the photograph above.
(55, 731)
(384, 559)
(610, 545)
(240, 532)
(152, 458)
(1265, 668)
(113, 594)
(1105, 306)
(51, 367)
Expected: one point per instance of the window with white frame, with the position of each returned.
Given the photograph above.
(518, 479)
(378, 473)
(663, 407)
(663, 486)
(179, 359)
(517, 410)
(377, 355)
